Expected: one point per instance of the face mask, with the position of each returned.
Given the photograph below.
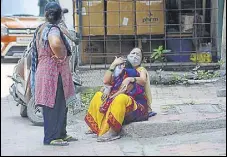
(117, 71)
(134, 59)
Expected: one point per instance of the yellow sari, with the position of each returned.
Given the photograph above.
(122, 104)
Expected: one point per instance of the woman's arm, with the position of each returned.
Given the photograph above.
(142, 80)
(108, 74)
(56, 43)
(139, 80)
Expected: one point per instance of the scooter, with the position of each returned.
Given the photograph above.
(20, 89)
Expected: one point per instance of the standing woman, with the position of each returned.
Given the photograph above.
(54, 88)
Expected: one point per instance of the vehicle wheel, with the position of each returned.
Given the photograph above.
(35, 113)
(23, 111)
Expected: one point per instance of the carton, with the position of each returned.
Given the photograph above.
(92, 18)
(120, 17)
(150, 17)
(92, 51)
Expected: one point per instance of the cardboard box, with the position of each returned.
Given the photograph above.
(92, 18)
(92, 51)
(120, 17)
(150, 17)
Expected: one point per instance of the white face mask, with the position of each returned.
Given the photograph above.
(134, 59)
(117, 71)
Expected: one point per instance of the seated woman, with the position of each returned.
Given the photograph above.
(121, 72)
(128, 102)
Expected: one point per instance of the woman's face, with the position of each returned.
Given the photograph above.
(135, 57)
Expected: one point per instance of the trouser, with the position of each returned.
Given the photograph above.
(55, 119)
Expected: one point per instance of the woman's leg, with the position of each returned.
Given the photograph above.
(114, 117)
(63, 131)
(93, 117)
(64, 135)
(54, 118)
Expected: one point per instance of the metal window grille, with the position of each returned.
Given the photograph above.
(190, 31)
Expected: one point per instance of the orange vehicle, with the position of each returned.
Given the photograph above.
(19, 19)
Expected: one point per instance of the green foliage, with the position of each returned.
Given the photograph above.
(87, 95)
(221, 62)
(158, 54)
(205, 75)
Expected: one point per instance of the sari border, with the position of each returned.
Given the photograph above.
(114, 124)
(91, 123)
(130, 107)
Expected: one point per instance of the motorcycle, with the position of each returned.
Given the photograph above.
(20, 89)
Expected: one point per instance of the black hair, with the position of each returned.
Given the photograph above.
(142, 59)
(128, 65)
(53, 12)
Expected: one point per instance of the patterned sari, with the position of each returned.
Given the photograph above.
(122, 109)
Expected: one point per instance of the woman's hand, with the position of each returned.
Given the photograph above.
(117, 61)
(108, 75)
(127, 81)
(59, 60)
(106, 92)
(124, 87)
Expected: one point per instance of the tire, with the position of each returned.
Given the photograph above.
(23, 111)
(35, 117)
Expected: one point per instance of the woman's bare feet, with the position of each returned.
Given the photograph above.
(89, 132)
(108, 136)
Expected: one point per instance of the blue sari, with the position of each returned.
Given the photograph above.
(137, 93)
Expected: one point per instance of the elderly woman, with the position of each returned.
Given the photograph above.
(52, 83)
(129, 102)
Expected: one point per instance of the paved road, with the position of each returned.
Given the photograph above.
(20, 137)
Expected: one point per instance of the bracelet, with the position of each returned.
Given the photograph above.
(134, 80)
(111, 70)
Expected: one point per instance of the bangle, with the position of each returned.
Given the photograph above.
(134, 80)
(111, 70)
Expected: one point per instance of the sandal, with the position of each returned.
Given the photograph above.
(58, 142)
(108, 139)
(69, 138)
(94, 136)
(151, 114)
(89, 132)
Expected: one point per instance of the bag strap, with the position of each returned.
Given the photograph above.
(39, 39)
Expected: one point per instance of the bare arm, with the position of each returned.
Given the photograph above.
(108, 74)
(56, 43)
(126, 86)
(142, 80)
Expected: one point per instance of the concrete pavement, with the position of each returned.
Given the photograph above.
(182, 109)
(20, 137)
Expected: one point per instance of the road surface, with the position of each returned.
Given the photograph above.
(20, 137)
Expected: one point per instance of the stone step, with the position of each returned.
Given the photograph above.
(148, 129)
(181, 119)
(221, 92)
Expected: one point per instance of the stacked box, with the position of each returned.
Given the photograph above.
(120, 17)
(92, 50)
(92, 18)
(150, 17)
